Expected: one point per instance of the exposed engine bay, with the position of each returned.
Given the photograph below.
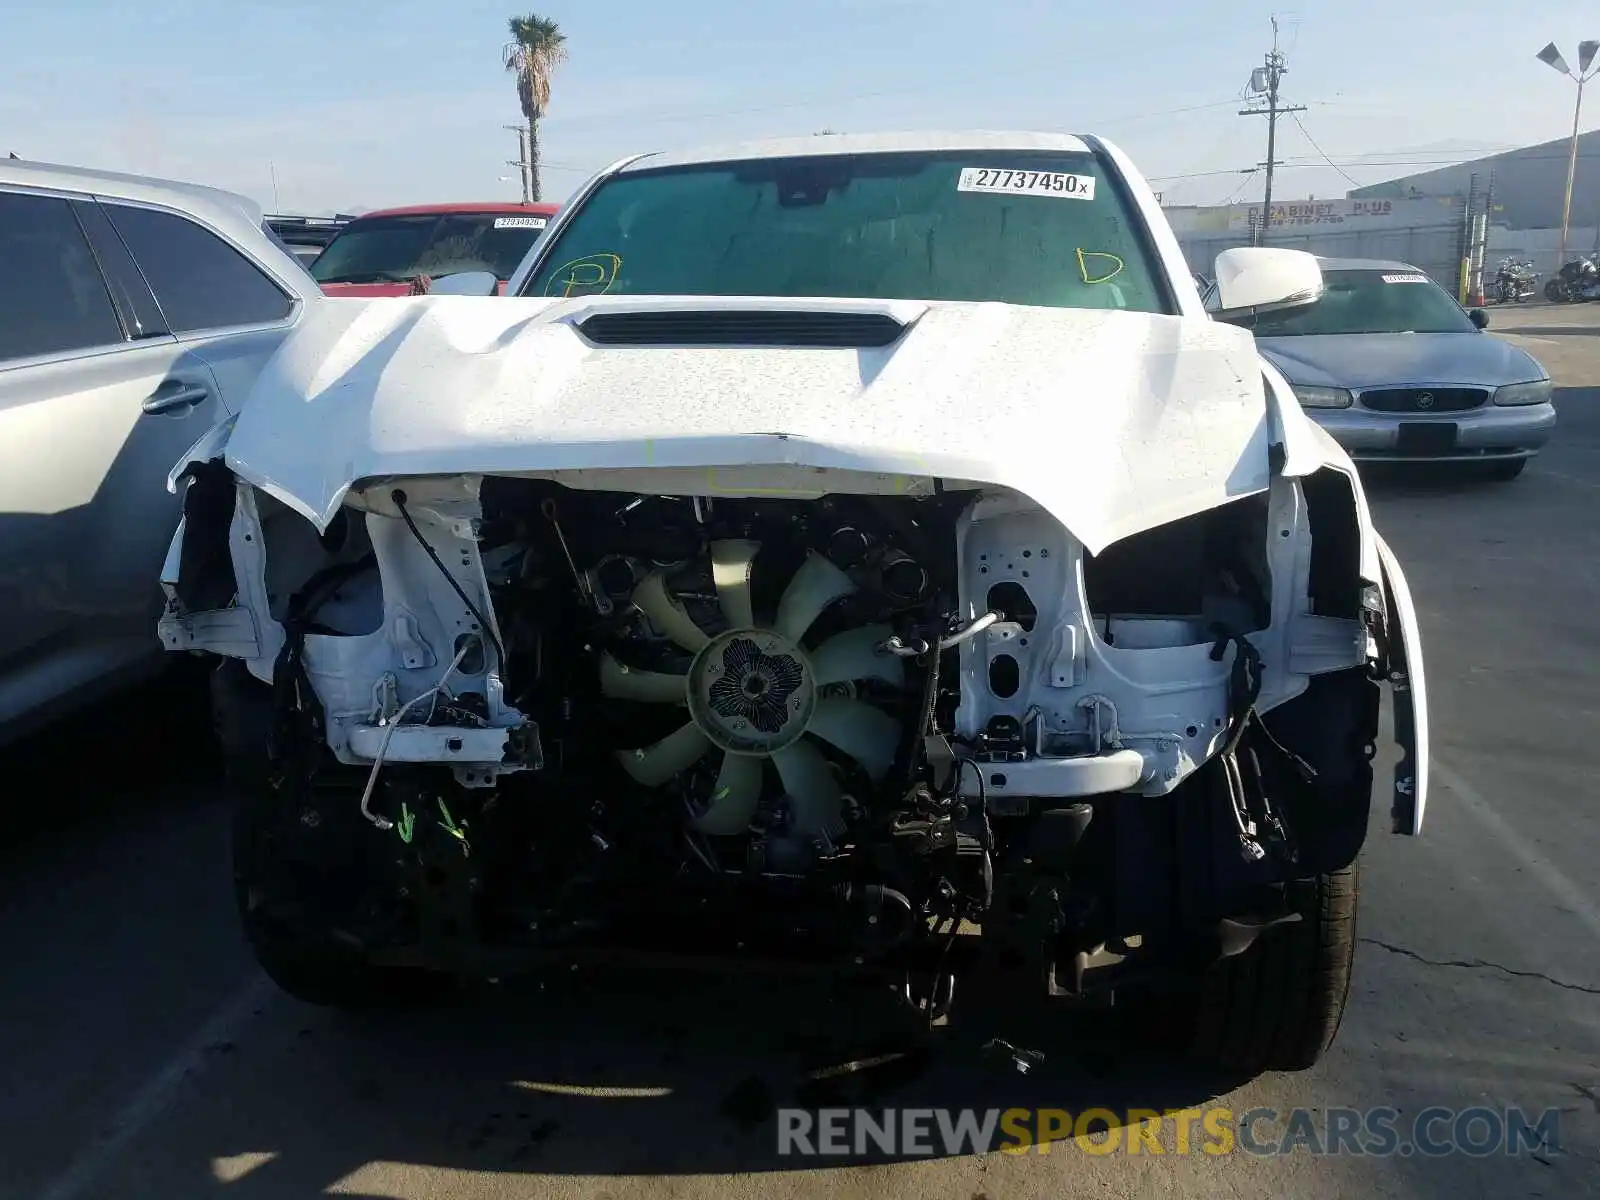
(729, 652)
(829, 729)
(713, 690)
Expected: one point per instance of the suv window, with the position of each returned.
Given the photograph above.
(54, 297)
(140, 315)
(199, 280)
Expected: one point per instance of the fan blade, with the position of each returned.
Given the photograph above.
(731, 563)
(816, 803)
(621, 682)
(653, 600)
(867, 734)
(817, 584)
(853, 655)
(733, 804)
(654, 765)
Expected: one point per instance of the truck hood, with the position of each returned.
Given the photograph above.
(1113, 422)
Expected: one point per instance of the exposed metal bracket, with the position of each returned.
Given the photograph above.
(230, 632)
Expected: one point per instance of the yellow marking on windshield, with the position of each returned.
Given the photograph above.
(1083, 266)
(591, 275)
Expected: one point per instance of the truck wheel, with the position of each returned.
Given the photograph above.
(1277, 1006)
(284, 878)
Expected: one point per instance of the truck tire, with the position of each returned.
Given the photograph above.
(1277, 1006)
(282, 914)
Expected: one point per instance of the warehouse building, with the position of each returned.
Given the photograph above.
(1425, 219)
(1529, 184)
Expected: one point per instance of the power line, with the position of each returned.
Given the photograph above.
(1200, 174)
(1169, 112)
(1307, 134)
(1358, 162)
(1243, 183)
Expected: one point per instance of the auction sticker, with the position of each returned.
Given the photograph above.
(1026, 183)
(519, 222)
(1405, 279)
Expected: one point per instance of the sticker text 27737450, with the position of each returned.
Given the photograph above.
(1060, 184)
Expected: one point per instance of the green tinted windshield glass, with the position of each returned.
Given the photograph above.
(1020, 227)
(1371, 301)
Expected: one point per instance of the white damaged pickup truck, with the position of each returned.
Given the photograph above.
(859, 553)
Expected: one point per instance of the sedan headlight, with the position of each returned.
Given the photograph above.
(1537, 392)
(1321, 397)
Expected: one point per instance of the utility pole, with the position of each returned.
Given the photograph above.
(523, 161)
(1265, 80)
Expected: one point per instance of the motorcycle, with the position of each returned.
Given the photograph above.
(1577, 281)
(1514, 282)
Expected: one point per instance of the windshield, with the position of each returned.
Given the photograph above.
(1014, 226)
(1371, 301)
(397, 249)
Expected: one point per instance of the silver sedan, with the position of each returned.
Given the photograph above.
(1390, 365)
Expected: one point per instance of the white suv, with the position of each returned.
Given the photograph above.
(137, 314)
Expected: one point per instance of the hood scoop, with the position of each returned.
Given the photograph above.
(747, 327)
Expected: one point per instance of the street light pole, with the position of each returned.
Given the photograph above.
(1572, 171)
(1551, 57)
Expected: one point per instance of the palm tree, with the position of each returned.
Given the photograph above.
(536, 46)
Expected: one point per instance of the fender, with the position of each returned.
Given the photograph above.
(210, 445)
(1403, 665)
(1296, 433)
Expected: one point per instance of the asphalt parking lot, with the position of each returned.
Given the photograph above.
(142, 1056)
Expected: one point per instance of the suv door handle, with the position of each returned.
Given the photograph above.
(171, 397)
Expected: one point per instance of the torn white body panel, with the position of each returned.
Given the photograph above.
(1113, 422)
(1149, 685)
(1139, 712)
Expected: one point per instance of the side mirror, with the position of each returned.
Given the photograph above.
(1479, 318)
(1260, 279)
(465, 283)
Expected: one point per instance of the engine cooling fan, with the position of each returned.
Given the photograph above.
(755, 694)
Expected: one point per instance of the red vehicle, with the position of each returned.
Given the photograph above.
(385, 253)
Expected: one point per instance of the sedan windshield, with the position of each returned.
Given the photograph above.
(1021, 227)
(1371, 301)
(399, 248)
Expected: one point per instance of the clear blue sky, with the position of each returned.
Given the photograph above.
(353, 103)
